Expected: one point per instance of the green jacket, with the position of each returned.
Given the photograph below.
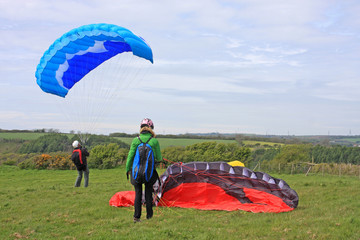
(135, 143)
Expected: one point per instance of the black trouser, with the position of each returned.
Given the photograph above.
(148, 199)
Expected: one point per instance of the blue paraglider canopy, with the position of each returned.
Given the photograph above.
(81, 50)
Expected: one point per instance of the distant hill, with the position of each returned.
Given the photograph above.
(286, 139)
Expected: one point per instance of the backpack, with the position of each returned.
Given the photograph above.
(78, 161)
(144, 163)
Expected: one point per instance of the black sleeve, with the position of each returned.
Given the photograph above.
(73, 157)
(85, 152)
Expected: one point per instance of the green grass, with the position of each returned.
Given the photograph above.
(167, 142)
(353, 140)
(250, 142)
(21, 135)
(43, 204)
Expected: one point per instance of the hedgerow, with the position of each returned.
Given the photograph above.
(107, 156)
(207, 152)
(59, 160)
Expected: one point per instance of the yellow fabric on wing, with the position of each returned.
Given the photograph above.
(236, 163)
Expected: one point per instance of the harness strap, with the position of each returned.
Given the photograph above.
(148, 140)
(142, 141)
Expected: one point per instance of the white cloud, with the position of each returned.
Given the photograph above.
(242, 57)
(11, 115)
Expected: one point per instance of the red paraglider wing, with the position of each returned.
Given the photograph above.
(219, 186)
(123, 199)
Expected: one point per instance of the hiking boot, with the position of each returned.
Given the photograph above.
(137, 220)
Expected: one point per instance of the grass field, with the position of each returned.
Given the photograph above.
(353, 140)
(43, 204)
(21, 135)
(250, 142)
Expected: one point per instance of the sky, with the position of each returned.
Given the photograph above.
(245, 66)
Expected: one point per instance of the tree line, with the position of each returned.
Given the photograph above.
(307, 153)
(53, 151)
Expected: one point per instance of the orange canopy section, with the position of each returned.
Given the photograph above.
(123, 199)
(207, 196)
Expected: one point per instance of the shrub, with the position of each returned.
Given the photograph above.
(27, 164)
(17, 158)
(48, 143)
(61, 161)
(207, 152)
(107, 156)
(10, 162)
(294, 154)
(42, 161)
(101, 156)
(174, 154)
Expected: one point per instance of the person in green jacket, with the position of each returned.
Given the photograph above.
(146, 132)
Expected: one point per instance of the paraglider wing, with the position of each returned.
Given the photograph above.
(123, 199)
(220, 186)
(81, 50)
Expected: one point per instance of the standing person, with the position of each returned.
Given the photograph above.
(79, 159)
(139, 173)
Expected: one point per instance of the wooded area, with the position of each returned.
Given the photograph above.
(53, 150)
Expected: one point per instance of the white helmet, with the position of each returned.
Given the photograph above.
(76, 144)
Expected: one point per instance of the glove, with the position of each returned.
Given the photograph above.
(127, 175)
